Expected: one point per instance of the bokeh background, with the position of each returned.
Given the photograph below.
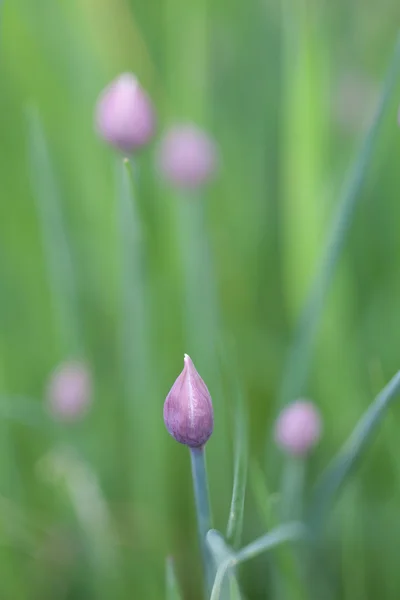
(287, 88)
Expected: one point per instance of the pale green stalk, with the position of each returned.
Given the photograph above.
(142, 424)
(292, 489)
(200, 485)
(133, 290)
(201, 301)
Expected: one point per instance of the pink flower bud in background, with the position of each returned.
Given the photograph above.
(298, 427)
(188, 411)
(187, 157)
(124, 114)
(69, 392)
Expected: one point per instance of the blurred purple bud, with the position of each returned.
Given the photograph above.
(187, 157)
(298, 427)
(188, 410)
(124, 114)
(69, 392)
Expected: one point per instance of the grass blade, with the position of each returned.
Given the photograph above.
(235, 522)
(299, 358)
(335, 475)
(63, 466)
(133, 310)
(222, 552)
(234, 590)
(265, 501)
(135, 338)
(279, 535)
(284, 533)
(223, 569)
(230, 369)
(171, 582)
(304, 102)
(288, 580)
(55, 241)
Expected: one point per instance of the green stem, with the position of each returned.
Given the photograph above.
(200, 485)
(201, 299)
(292, 488)
(135, 336)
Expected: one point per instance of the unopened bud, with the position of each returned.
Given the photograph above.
(298, 427)
(188, 411)
(69, 392)
(124, 114)
(187, 157)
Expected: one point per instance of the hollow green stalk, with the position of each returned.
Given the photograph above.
(203, 511)
(292, 487)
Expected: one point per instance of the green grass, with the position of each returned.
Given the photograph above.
(92, 266)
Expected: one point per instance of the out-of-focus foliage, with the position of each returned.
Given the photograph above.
(287, 88)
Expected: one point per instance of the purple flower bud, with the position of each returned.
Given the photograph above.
(188, 411)
(69, 392)
(187, 157)
(124, 114)
(298, 427)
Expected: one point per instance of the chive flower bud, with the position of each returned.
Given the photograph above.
(69, 392)
(188, 410)
(298, 428)
(124, 114)
(187, 157)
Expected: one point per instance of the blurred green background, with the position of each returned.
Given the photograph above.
(287, 88)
